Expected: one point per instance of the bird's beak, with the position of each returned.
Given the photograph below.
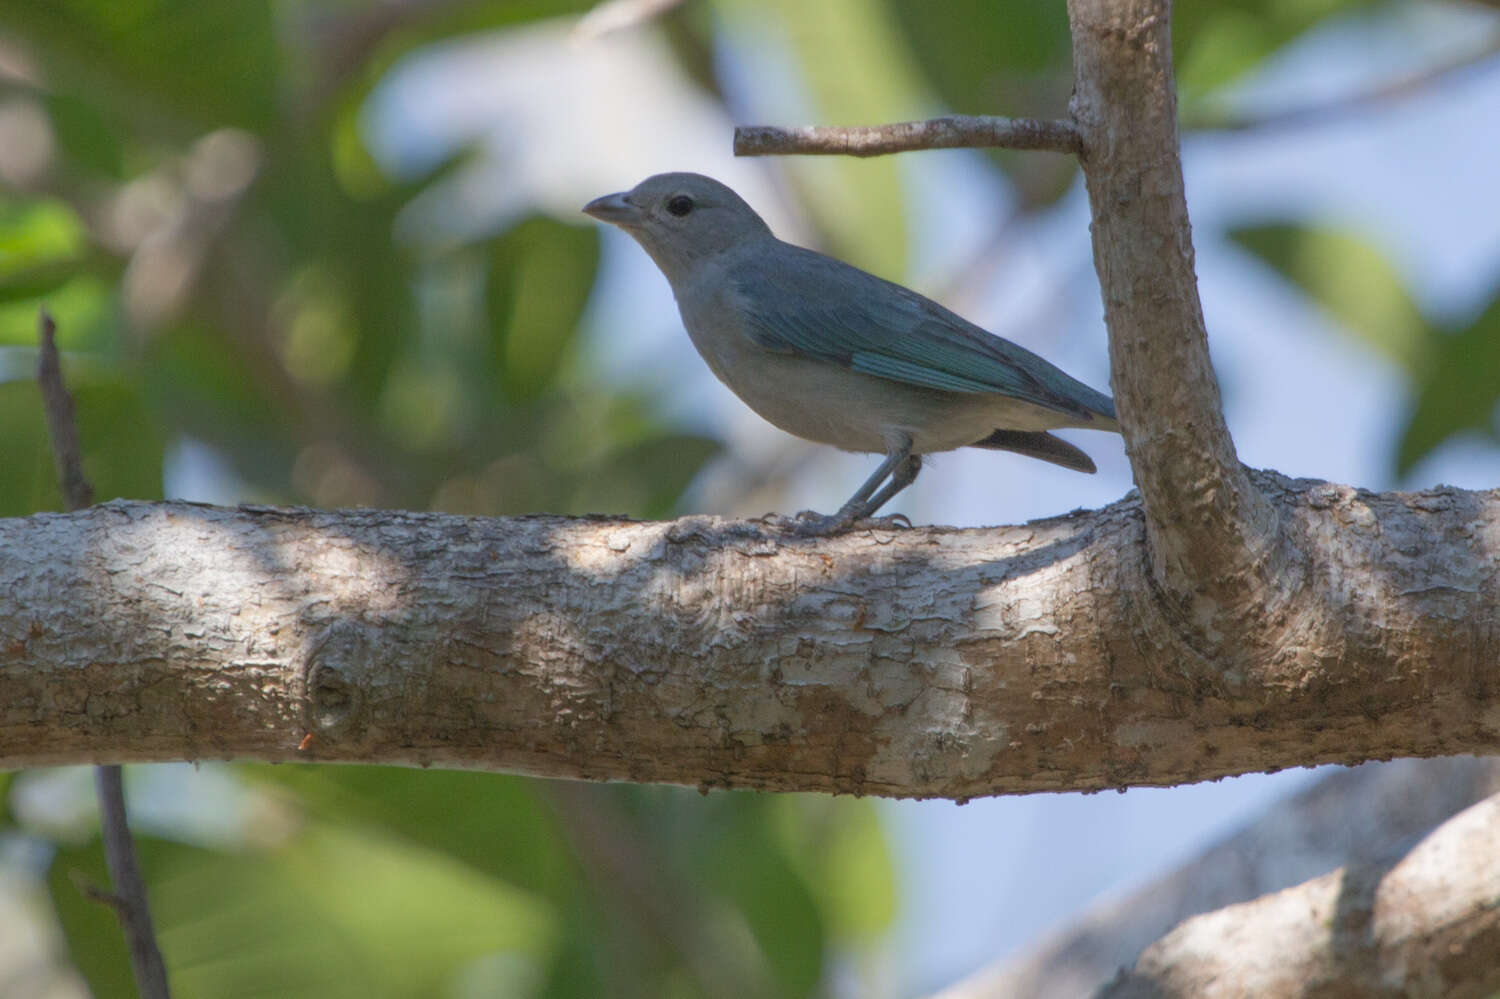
(615, 209)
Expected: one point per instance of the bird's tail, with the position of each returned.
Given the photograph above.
(1038, 444)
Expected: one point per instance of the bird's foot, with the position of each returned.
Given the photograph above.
(889, 522)
(809, 524)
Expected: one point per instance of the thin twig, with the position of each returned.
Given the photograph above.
(130, 887)
(952, 132)
(1399, 88)
(93, 892)
(129, 896)
(66, 452)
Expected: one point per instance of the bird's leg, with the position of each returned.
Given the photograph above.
(900, 465)
(904, 475)
(857, 502)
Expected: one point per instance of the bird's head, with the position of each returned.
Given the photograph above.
(681, 219)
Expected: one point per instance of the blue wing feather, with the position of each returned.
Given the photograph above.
(801, 302)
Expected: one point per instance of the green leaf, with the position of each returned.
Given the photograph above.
(91, 929)
(87, 136)
(1217, 42)
(6, 778)
(45, 251)
(332, 912)
(538, 282)
(215, 63)
(32, 283)
(122, 446)
(840, 848)
(984, 57)
(494, 823)
(1352, 280)
(36, 233)
(83, 308)
(744, 864)
(1459, 392)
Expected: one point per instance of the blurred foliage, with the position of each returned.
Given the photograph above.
(187, 189)
(1216, 42)
(1451, 366)
(389, 882)
(1014, 58)
(853, 67)
(284, 921)
(216, 244)
(1353, 281)
(122, 447)
(1009, 59)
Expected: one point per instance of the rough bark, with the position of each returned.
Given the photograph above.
(949, 132)
(704, 652)
(1214, 542)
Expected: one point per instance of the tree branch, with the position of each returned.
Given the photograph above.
(1214, 544)
(927, 662)
(1426, 925)
(129, 899)
(951, 132)
(67, 453)
(1360, 816)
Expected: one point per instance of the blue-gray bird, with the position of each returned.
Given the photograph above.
(835, 355)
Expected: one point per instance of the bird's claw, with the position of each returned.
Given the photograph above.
(809, 524)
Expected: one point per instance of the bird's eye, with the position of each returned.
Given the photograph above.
(680, 205)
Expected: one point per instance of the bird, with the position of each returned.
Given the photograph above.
(836, 355)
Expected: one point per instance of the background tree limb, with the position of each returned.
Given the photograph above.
(1425, 925)
(1360, 816)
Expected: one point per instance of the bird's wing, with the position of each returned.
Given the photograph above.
(800, 302)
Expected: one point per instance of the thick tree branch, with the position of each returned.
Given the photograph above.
(915, 663)
(951, 132)
(1428, 925)
(1214, 544)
